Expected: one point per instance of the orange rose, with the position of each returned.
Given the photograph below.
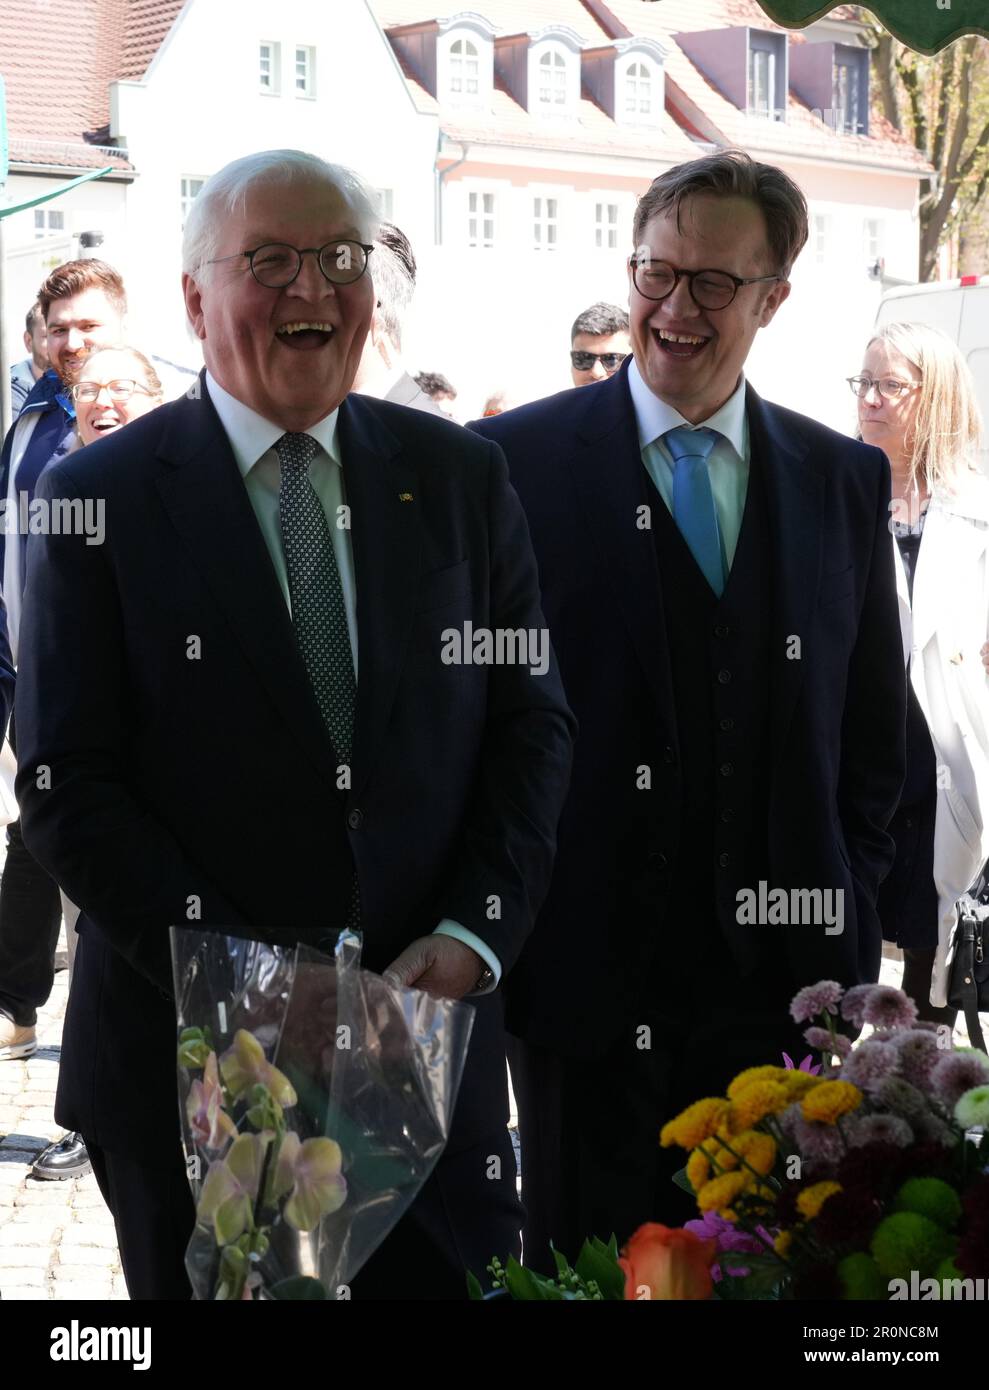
(670, 1264)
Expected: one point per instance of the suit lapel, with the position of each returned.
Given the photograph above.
(795, 498)
(204, 495)
(385, 501)
(611, 485)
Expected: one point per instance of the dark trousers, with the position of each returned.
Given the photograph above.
(589, 1127)
(462, 1217)
(918, 966)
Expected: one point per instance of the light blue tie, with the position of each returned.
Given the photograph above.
(693, 501)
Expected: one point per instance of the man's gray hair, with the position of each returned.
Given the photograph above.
(393, 270)
(225, 195)
(733, 174)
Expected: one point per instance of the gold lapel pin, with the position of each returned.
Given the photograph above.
(405, 496)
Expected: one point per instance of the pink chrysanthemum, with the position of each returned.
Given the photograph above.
(878, 1129)
(919, 1053)
(815, 999)
(956, 1073)
(869, 1064)
(902, 1098)
(853, 1002)
(886, 1007)
(820, 1145)
(820, 1038)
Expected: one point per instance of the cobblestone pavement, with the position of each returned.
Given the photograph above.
(57, 1238)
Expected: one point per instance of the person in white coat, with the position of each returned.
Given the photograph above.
(916, 401)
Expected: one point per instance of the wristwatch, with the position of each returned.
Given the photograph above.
(484, 981)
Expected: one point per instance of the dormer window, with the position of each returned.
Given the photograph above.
(767, 90)
(464, 68)
(833, 80)
(749, 66)
(552, 79)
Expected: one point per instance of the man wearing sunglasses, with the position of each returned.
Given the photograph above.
(717, 577)
(598, 343)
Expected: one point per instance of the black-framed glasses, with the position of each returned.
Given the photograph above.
(888, 387)
(709, 289)
(584, 361)
(85, 391)
(276, 264)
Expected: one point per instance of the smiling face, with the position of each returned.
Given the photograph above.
(104, 415)
(292, 379)
(888, 424)
(698, 375)
(78, 326)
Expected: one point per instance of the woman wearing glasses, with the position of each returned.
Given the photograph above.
(916, 402)
(114, 386)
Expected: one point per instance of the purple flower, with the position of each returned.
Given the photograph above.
(820, 1145)
(956, 1073)
(919, 1053)
(878, 1129)
(854, 1002)
(806, 1065)
(730, 1240)
(886, 1007)
(901, 1098)
(815, 999)
(870, 1063)
(823, 1041)
(935, 1130)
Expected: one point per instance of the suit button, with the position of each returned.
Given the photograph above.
(726, 724)
(724, 676)
(355, 819)
(721, 630)
(726, 769)
(724, 860)
(727, 816)
(669, 756)
(658, 860)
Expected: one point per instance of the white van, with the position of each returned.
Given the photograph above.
(959, 308)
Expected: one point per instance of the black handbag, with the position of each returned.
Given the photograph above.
(968, 980)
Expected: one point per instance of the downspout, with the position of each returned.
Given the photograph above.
(440, 176)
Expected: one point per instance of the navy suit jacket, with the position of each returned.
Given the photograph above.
(6, 672)
(837, 712)
(161, 684)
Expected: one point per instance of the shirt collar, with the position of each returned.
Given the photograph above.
(654, 417)
(251, 435)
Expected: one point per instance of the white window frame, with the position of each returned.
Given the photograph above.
(639, 75)
(845, 109)
(308, 91)
(186, 197)
(873, 236)
(274, 65)
(606, 227)
(482, 218)
(45, 227)
(545, 214)
(756, 57)
(464, 60)
(551, 70)
(821, 230)
(455, 62)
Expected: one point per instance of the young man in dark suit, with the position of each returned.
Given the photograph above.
(280, 564)
(717, 576)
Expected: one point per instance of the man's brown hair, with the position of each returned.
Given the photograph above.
(734, 174)
(73, 277)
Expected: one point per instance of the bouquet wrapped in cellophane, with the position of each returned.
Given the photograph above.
(315, 1101)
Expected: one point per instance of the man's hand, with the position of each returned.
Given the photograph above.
(442, 966)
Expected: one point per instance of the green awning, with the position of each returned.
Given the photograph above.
(925, 25)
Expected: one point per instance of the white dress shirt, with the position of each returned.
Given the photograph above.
(727, 466)
(252, 439)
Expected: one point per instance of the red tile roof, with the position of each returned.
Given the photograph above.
(600, 21)
(58, 60)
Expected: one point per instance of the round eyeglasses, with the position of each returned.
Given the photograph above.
(888, 387)
(276, 264)
(709, 289)
(85, 391)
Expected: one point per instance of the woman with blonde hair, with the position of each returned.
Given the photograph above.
(114, 386)
(916, 402)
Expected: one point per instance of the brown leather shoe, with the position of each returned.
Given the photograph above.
(15, 1041)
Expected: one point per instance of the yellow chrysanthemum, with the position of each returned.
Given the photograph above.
(757, 1149)
(812, 1199)
(720, 1192)
(754, 1102)
(698, 1169)
(695, 1124)
(827, 1102)
(783, 1242)
(798, 1083)
(746, 1078)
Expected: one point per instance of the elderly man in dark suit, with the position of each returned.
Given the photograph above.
(718, 581)
(241, 702)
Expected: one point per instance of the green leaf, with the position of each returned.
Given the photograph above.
(527, 1286)
(300, 1288)
(681, 1180)
(474, 1290)
(563, 1270)
(601, 1267)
